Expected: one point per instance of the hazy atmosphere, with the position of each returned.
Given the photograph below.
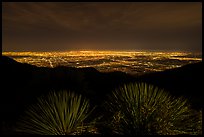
(30, 26)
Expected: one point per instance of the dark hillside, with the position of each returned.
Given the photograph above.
(21, 84)
(184, 81)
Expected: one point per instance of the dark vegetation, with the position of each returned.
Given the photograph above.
(22, 84)
(57, 113)
(145, 109)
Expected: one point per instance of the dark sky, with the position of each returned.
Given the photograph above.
(67, 26)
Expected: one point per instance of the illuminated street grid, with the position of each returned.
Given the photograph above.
(126, 61)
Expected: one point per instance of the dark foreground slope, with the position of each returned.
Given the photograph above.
(185, 81)
(21, 84)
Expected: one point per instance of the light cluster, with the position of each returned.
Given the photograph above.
(126, 61)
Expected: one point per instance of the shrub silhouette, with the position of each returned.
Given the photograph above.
(60, 113)
(143, 109)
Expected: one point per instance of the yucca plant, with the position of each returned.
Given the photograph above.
(144, 109)
(61, 113)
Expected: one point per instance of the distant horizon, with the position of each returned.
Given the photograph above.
(126, 50)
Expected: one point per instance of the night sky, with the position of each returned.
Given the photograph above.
(68, 26)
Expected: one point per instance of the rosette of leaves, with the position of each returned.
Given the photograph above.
(58, 113)
(144, 109)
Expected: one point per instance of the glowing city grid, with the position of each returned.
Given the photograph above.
(127, 61)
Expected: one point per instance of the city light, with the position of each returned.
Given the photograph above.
(126, 61)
